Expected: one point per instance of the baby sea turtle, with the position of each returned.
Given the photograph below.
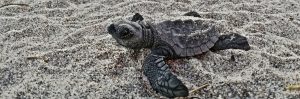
(169, 40)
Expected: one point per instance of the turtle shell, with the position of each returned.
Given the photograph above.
(188, 37)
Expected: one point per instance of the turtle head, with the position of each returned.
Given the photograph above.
(128, 33)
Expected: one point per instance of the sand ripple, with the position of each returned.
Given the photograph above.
(61, 49)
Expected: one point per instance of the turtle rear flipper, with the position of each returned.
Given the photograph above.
(161, 78)
(231, 41)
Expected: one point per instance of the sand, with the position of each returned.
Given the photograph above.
(61, 49)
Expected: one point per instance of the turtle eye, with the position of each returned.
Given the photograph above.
(125, 34)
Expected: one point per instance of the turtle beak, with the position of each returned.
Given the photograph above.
(111, 29)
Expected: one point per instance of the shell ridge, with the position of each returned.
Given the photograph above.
(188, 37)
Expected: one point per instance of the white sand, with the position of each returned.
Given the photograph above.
(61, 49)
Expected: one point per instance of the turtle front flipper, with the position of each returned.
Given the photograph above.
(161, 78)
(231, 41)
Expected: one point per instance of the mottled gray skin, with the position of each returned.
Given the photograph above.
(168, 40)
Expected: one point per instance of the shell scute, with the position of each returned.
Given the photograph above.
(188, 37)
